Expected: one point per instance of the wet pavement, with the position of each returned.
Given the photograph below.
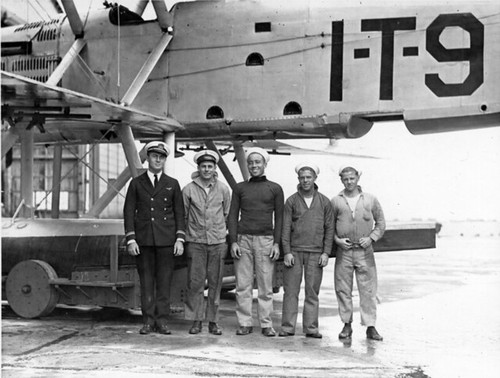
(439, 313)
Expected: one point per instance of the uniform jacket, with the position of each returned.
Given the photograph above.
(307, 229)
(206, 213)
(154, 216)
(368, 220)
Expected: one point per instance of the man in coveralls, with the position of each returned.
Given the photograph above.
(359, 222)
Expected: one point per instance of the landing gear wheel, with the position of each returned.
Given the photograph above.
(28, 290)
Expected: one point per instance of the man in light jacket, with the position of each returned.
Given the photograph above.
(206, 204)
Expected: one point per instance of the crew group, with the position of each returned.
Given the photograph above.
(161, 220)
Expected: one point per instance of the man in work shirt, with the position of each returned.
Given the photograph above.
(255, 204)
(307, 240)
(359, 222)
(206, 204)
(154, 227)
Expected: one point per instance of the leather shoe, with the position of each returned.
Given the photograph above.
(346, 331)
(242, 331)
(163, 330)
(214, 329)
(283, 333)
(195, 328)
(316, 335)
(268, 331)
(372, 334)
(146, 329)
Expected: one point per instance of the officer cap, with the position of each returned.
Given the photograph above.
(206, 155)
(159, 147)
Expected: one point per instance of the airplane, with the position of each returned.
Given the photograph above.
(208, 72)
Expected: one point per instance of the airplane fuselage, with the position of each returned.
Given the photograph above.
(275, 69)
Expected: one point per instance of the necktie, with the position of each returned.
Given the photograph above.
(156, 180)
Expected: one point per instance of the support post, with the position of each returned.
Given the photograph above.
(27, 152)
(169, 139)
(56, 182)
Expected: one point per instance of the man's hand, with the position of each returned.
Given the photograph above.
(178, 248)
(133, 249)
(323, 260)
(289, 260)
(344, 243)
(235, 251)
(365, 242)
(275, 252)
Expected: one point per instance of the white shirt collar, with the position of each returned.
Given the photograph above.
(151, 176)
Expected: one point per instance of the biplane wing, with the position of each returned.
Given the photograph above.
(63, 115)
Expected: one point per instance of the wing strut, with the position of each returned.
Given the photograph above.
(239, 152)
(146, 70)
(113, 190)
(128, 144)
(74, 19)
(222, 165)
(66, 61)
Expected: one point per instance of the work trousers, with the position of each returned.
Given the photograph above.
(205, 262)
(156, 268)
(362, 263)
(255, 259)
(306, 263)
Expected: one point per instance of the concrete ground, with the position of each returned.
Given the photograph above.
(439, 314)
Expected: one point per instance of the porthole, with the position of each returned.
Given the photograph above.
(292, 108)
(215, 112)
(255, 59)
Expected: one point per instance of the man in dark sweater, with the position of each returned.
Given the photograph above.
(255, 221)
(307, 240)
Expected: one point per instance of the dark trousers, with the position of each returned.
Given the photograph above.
(156, 267)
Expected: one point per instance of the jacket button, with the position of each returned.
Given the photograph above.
(152, 209)
(152, 219)
(152, 199)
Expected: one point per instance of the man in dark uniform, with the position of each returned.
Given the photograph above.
(154, 228)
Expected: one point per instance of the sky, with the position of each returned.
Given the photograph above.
(446, 176)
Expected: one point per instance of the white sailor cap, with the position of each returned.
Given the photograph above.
(159, 147)
(206, 155)
(345, 167)
(257, 150)
(312, 167)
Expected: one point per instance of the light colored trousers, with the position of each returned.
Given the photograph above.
(306, 262)
(255, 250)
(205, 262)
(362, 263)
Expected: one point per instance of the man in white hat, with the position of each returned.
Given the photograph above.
(154, 227)
(255, 222)
(359, 222)
(307, 240)
(206, 204)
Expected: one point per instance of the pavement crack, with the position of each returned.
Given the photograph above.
(53, 342)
